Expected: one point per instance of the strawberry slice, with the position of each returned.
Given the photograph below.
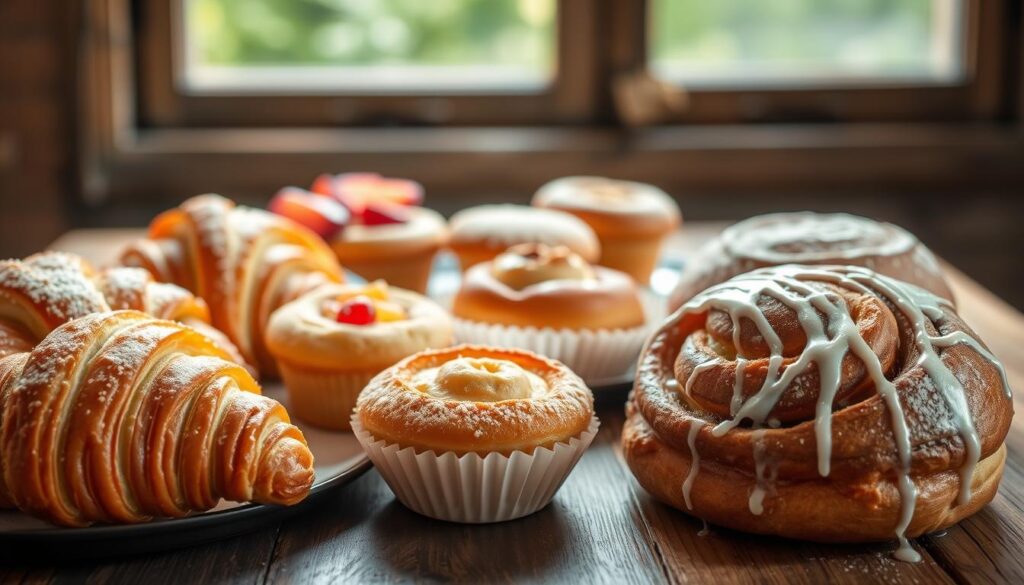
(323, 215)
(384, 214)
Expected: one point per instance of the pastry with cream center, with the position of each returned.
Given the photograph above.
(475, 433)
(549, 300)
(330, 342)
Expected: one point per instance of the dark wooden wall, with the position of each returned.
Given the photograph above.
(35, 124)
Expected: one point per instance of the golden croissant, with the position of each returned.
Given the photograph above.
(45, 290)
(119, 417)
(243, 262)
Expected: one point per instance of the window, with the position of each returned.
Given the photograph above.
(487, 98)
(807, 42)
(284, 46)
(329, 63)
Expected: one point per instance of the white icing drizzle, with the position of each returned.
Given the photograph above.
(691, 440)
(705, 530)
(756, 501)
(737, 387)
(826, 348)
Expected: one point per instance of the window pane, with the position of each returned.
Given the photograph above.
(372, 45)
(820, 42)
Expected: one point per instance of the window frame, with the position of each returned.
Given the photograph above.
(129, 155)
(566, 99)
(977, 96)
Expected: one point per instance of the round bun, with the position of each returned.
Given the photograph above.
(301, 333)
(611, 207)
(476, 399)
(811, 238)
(726, 423)
(534, 285)
(480, 233)
(425, 229)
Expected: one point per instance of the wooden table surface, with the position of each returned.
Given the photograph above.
(601, 526)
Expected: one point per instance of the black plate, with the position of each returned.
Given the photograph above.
(340, 460)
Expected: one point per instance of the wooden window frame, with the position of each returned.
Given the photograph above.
(979, 95)
(139, 150)
(568, 98)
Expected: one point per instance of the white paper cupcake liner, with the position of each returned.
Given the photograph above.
(324, 399)
(472, 488)
(594, 355)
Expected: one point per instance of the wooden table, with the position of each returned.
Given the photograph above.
(601, 527)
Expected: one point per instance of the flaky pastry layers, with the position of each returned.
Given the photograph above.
(824, 403)
(403, 406)
(243, 262)
(119, 417)
(45, 290)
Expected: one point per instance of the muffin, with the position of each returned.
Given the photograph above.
(549, 300)
(478, 234)
(630, 219)
(475, 434)
(332, 341)
(812, 239)
(400, 251)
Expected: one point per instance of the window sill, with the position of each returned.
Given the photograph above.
(466, 162)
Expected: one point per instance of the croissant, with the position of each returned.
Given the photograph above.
(822, 403)
(119, 417)
(45, 290)
(243, 262)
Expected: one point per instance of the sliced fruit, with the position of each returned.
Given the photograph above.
(384, 214)
(324, 216)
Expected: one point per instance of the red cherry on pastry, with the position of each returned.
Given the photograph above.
(384, 214)
(357, 311)
(324, 216)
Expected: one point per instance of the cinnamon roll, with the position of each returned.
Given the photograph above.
(825, 403)
(812, 239)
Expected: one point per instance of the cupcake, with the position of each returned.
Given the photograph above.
(549, 300)
(478, 234)
(329, 343)
(374, 224)
(475, 434)
(400, 250)
(630, 219)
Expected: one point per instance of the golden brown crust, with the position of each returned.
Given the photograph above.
(614, 209)
(302, 335)
(610, 301)
(480, 233)
(811, 239)
(243, 262)
(119, 417)
(823, 510)
(425, 230)
(393, 410)
(687, 377)
(45, 290)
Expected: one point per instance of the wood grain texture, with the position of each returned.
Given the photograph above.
(601, 527)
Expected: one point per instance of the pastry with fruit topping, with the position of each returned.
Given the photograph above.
(374, 225)
(478, 234)
(332, 341)
(475, 434)
(630, 219)
(548, 299)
